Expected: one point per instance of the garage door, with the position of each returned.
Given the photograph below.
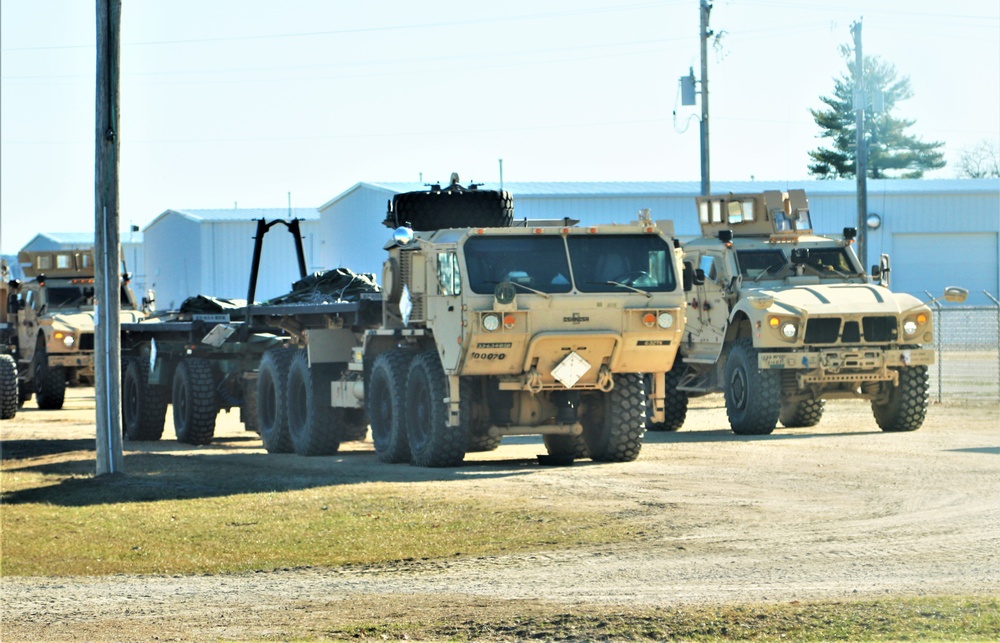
(932, 261)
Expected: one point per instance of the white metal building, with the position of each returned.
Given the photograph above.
(209, 252)
(939, 232)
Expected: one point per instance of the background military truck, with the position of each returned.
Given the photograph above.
(8, 365)
(481, 329)
(48, 323)
(780, 319)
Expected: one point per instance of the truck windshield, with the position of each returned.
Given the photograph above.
(68, 296)
(607, 263)
(537, 262)
(832, 262)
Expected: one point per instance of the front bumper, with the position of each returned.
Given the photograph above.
(858, 364)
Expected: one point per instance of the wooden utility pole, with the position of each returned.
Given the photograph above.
(706, 182)
(107, 246)
(860, 144)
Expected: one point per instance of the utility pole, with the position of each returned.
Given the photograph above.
(706, 183)
(107, 245)
(861, 144)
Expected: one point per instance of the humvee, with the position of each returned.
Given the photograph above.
(48, 322)
(781, 319)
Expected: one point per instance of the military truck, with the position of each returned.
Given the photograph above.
(781, 319)
(483, 328)
(8, 365)
(48, 323)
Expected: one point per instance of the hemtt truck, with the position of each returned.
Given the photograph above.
(482, 331)
(48, 323)
(781, 319)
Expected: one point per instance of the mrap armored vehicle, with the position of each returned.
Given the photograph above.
(483, 327)
(47, 323)
(781, 319)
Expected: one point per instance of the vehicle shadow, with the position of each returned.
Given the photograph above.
(169, 470)
(726, 435)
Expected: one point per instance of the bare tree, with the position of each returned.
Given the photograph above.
(980, 161)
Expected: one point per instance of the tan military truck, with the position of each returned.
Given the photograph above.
(781, 319)
(8, 365)
(538, 329)
(48, 322)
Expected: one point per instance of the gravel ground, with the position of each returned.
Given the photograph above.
(839, 511)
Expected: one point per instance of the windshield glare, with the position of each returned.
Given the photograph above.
(767, 264)
(605, 263)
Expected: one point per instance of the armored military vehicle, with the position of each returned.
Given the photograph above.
(484, 327)
(48, 323)
(781, 319)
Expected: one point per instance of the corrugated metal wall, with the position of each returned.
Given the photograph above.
(352, 231)
(186, 257)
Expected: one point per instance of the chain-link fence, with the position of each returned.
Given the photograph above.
(967, 347)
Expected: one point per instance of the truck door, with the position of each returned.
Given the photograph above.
(708, 310)
(444, 306)
(27, 326)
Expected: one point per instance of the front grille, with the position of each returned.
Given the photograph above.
(86, 341)
(851, 333)
(879, 329)
(823, 330)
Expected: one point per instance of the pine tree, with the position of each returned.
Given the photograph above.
(892, 153)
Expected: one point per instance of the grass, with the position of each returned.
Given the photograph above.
(176, 514)
(188, 513)
(926, 618)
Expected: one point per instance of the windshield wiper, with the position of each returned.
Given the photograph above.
(767, 270)
(618, 283)
(528, 288)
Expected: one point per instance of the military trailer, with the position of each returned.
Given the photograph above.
(47, 323)
(781, 319)
(483, 328)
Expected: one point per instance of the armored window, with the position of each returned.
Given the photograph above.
(63, 262)
(707, 266)
(43, 262)
(535, 262)
(760, 264)
(449, 276)
(605, 263)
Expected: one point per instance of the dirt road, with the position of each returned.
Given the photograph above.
(841, 510)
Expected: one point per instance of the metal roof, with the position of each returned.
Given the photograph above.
(247, 214)
(693, 188)
(73, 240)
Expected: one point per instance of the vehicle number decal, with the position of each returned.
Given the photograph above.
(490, 357)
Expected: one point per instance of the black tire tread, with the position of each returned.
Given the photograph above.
(311, 421)
(906, 408)
(438, 209)
(8, 387)
(675, 402)
(144, 405)
(272, 391)
(385, 401)
(444, 446)
(764, 395)
(801, 414)
(614, 425)
(194, 418)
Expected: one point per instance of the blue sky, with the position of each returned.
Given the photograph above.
(242, 102)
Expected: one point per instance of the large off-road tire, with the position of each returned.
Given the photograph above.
(675, 402)
(453, 208)
(144, 405)
(353, 425)
(566, 446)
(386, 405)
(432, 442)
(24, 392)
(310, 418)
(614, 422)
(194, 403)
(8, 387)
(50, 387)
(272, 400)
(248, 409)
(753, 396)
(475, 417)
(800, 414)
(906, 407)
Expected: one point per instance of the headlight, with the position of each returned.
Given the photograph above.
(789, 330)
(491, 322)
(909, 327)
(665, 320)
(68, 341)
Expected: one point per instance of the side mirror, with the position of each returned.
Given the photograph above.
(688, 276)
(955, 294)
(876, 271)
(883, 270)
(699, 277)
(800, 256)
